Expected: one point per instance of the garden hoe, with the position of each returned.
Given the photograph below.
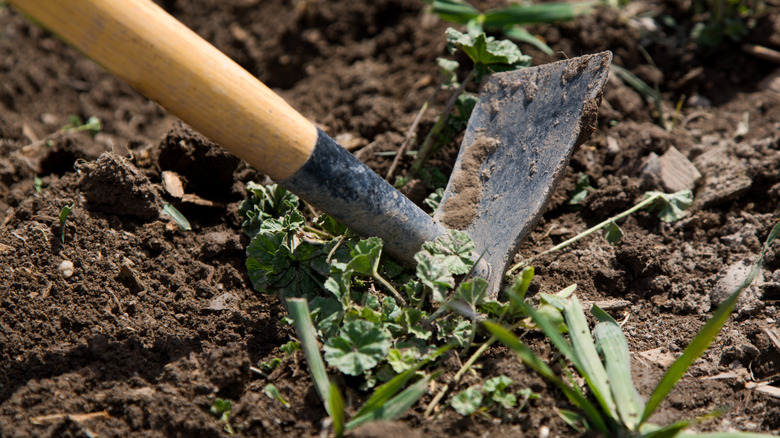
(519, 139)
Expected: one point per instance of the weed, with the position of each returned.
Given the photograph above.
(724, 19)
(488, 55)
(63, 220)
(602, 359)
(668, 207)
(388, 402)
(336, 275)
(173, 213)
(93, 125)
(37, 184)
(220, 409)
(580, 192)
(273, 393)
(492, 395)
(330, 278)
(511, 19)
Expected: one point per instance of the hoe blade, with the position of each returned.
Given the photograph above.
(518, 143)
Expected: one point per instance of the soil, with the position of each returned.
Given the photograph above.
(120, 324)
(460, 208)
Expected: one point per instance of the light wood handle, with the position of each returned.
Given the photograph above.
(167, 62)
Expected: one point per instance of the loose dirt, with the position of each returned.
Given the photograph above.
(461, 207)
(153, 323)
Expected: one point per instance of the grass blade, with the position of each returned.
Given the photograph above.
(535, 13)
(179, 218)
(533, 361)
(703, 339)
(731, 435)
(613, 346)
(592, 368)
(386, 391)
(299, 312)
(454, 11)
(395, 407)
(554, 336)
(519, 34)
(668, 431)
(336, 403)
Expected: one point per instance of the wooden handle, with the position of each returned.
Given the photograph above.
(167, 62)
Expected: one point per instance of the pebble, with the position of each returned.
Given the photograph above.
(66, 269)
(750, 298)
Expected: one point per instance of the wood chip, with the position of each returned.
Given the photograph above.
(773, 337)
(78, 418)
(608, 304)
(197, 200)
(762, 52)
(725, 177)
(764, 388)
(738, 373)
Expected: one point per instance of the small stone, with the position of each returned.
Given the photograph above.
(50, 119)
(613, 146)
(725, 177)
(66, 269)
(172, 183)
(698, 101)
(750, 299)
(226, 301)
(676, 171)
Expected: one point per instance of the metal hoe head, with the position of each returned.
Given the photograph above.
(518, 143)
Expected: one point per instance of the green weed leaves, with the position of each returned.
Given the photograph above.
(670, 206)
(488, 54)
(360, 346)
(357, 298)
(266, 202)
(602, 358)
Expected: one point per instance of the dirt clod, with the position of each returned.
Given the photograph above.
(114, 186)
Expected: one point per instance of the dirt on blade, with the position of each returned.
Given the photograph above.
(461, 207)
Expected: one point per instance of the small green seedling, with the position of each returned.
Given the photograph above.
(491, 396)
(580, 192)
(177, 217)
(37, 184)
(63, 220)
(602, 359)
(725, 19)
(290, 347)
(220, 409)
(93, 125)
(273, 393)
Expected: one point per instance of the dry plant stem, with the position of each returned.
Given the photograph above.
(762, 52)
(427, 146)
(390, 288)
(585, 233)
(465, 367)
(410, 135)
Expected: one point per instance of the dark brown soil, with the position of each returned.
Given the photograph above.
(144, 325)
